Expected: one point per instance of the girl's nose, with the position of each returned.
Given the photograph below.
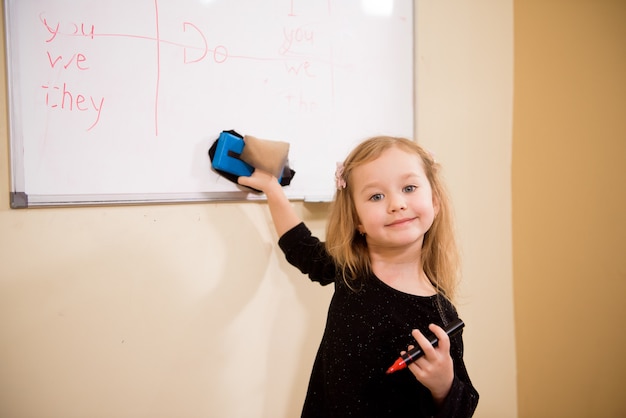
(397, 203)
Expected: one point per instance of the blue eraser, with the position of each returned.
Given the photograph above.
(226, 158)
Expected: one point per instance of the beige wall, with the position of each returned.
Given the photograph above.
(190, 310)
(569, 202)
(464, 115)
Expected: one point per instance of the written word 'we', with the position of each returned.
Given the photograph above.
(77, 60)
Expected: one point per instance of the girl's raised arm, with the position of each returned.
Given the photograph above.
(281, 210)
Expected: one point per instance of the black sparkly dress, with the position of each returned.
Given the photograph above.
(365, 332)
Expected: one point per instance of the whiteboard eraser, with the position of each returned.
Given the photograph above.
(227, 153)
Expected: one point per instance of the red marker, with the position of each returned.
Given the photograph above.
(413, 354)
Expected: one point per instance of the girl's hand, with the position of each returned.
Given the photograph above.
(259, 180)
(435, 369)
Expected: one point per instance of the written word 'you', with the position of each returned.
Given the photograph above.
(66, 29)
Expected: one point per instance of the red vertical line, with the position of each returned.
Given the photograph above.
(158, 78)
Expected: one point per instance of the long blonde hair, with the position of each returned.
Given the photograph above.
(440, 256)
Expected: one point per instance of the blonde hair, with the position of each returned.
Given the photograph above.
(348, 248)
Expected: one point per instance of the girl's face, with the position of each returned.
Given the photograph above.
(394, 200)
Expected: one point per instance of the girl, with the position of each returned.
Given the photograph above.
(390, 253)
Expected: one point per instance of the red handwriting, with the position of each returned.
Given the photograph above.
(299, 35)
(77, 59)
(300, 104)
(303, 67)
(60, 97)
(203, 51)
(291, 12)
(220, 54)
(68, 29)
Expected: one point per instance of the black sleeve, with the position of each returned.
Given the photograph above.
(463, 397)
(308, 254)
(461, 401)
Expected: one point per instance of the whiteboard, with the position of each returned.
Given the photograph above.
(118, 101)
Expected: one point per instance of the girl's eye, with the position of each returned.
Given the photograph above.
(376, 197)
(409, 189)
